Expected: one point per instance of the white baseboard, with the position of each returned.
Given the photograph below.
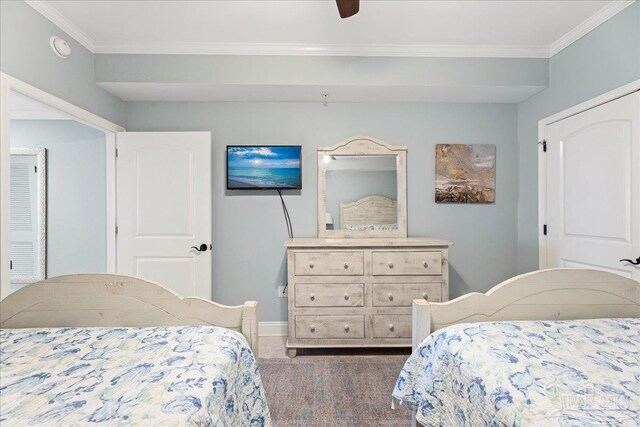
(272, 329)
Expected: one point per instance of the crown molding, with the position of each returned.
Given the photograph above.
(62, 22)
(607, 12)
(292, 49)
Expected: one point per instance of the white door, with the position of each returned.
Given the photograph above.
(593, 188)
(25, 242)
(164, 209)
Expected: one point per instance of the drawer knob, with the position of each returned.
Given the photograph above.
(390, 296)
(390, 265)
(346, 265)
(311, 265)
(346, 328)
(313, 328)
(312, 297)
(346, 297)
(391, 327)
(425, 296)
(425, 264)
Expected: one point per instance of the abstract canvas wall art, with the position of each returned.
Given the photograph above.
(465, 173)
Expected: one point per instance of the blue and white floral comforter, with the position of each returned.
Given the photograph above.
(529, 373)
(170, 376)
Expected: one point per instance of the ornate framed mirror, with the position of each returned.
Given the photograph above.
(362, 189)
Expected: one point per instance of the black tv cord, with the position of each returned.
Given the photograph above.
(287, 219)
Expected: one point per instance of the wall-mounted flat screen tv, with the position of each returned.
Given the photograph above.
(264, 167)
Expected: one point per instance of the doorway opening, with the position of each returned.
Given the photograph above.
(58, 188)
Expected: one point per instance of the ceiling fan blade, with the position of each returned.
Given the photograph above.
(348, 8)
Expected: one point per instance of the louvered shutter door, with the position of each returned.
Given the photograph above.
(24, 224)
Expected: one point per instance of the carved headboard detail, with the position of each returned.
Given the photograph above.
(369, 210)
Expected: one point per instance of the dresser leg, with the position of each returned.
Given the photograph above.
(291, 352)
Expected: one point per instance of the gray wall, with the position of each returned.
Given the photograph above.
(249, 229)
(76, 192)
(349, 186)
(604, 59)
(25, 54)
(334, 73)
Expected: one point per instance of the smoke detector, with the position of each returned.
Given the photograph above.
(325, 98)
(60, 47)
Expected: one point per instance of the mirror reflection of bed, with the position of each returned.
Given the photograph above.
(369, 214)
(361, 192)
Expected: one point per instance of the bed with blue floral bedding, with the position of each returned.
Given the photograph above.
(526, 373)
(170, 376)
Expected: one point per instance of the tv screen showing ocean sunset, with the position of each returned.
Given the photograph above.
(264, 167)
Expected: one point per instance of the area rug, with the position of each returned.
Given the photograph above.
(335, 391)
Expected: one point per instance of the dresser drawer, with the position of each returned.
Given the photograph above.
(329, 263)
(406, 263)
(329, 327)
(392, 326)
(403, 294)
(329, 294)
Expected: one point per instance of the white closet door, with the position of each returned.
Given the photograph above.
(164, 209)
(24, 216)
(593, 188)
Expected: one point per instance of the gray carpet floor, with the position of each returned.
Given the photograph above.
(333, 391)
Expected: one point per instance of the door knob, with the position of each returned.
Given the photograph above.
(636, 262)
(202, 248)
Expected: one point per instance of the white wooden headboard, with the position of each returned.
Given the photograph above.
(369, 210)
(105, 300)
(554, 294)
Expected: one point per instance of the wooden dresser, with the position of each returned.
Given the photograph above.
(358, 292)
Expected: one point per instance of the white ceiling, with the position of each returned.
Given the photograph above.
(311, 27)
